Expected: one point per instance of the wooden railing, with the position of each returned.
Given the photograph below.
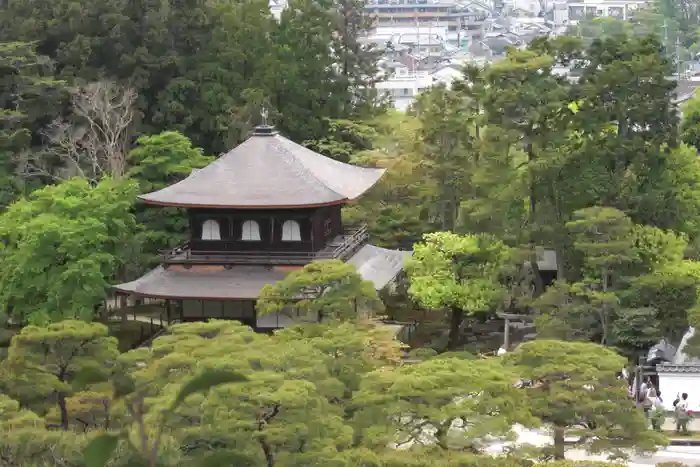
(353, 239)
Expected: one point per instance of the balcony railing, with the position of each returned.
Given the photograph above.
(341, 247)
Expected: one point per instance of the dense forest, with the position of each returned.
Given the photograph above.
(102, 101)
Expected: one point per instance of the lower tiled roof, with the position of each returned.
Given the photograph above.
(375, 264)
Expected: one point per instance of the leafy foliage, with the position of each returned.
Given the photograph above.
(49, 364)
(156, 162)
(458, 272)
(576, 390)
(63, 246)
(324, 289)
(450, 402)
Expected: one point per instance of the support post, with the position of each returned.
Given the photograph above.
(506, 335)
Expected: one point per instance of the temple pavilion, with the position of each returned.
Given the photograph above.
(265, 208)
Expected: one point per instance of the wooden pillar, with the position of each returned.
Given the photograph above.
(506, 335)
(168, 304)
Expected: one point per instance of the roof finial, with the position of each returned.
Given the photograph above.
(264, 129)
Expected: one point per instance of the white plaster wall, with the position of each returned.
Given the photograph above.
(671, 384)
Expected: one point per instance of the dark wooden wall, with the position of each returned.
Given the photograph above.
(317, 226)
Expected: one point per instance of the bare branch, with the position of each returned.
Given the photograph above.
(109, 113)
(93, 143)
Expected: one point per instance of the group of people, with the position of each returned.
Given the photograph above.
(649, 398)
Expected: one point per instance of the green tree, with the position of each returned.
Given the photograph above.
(629, 131)
(604, 238)
(670, 196)
(358, 59)
(25, 442)
(656, 248)
(670, 291)
(343, 140)
(400, 209)
(649, 291)
(292, 409)
(226, 54)
(690, 125)
(454, 403)
(304, 93)
(460, 273)
(156, 162)
(55, 361)
(636, 330)
(446, 144)
(526, 153)
(351, 350)
(576, 391)
(63, 246)
(29, 99)
(324, 289)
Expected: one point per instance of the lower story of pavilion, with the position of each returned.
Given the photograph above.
(199, 293)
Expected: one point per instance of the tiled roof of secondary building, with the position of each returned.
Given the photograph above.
(268, 170)
(375, 264)
(682, 368)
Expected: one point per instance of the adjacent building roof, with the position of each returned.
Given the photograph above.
(693, 368)
(266, 171)
(379, 265)
(375, 264)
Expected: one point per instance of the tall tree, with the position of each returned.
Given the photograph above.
(446, 145)
(63, 245)
(156, 162)
(690, 125)
(358, 59)
(29, 99)
(92, 142)
(604, 237)
(526, 105)
(303, 94)
(630, 129)
(400, 208)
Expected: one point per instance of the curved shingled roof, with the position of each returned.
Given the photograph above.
(375, 264)
(268, 170)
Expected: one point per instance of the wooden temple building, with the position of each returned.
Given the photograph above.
(267, 207)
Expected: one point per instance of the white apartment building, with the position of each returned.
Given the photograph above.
(573, 11)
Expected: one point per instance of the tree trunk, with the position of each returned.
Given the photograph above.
(603, 310)
(441, 438)
(561, 267)
(456, 320)
(559, 447)
(64, 410)
(267, 451)
(536, 276)
(529, 149)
